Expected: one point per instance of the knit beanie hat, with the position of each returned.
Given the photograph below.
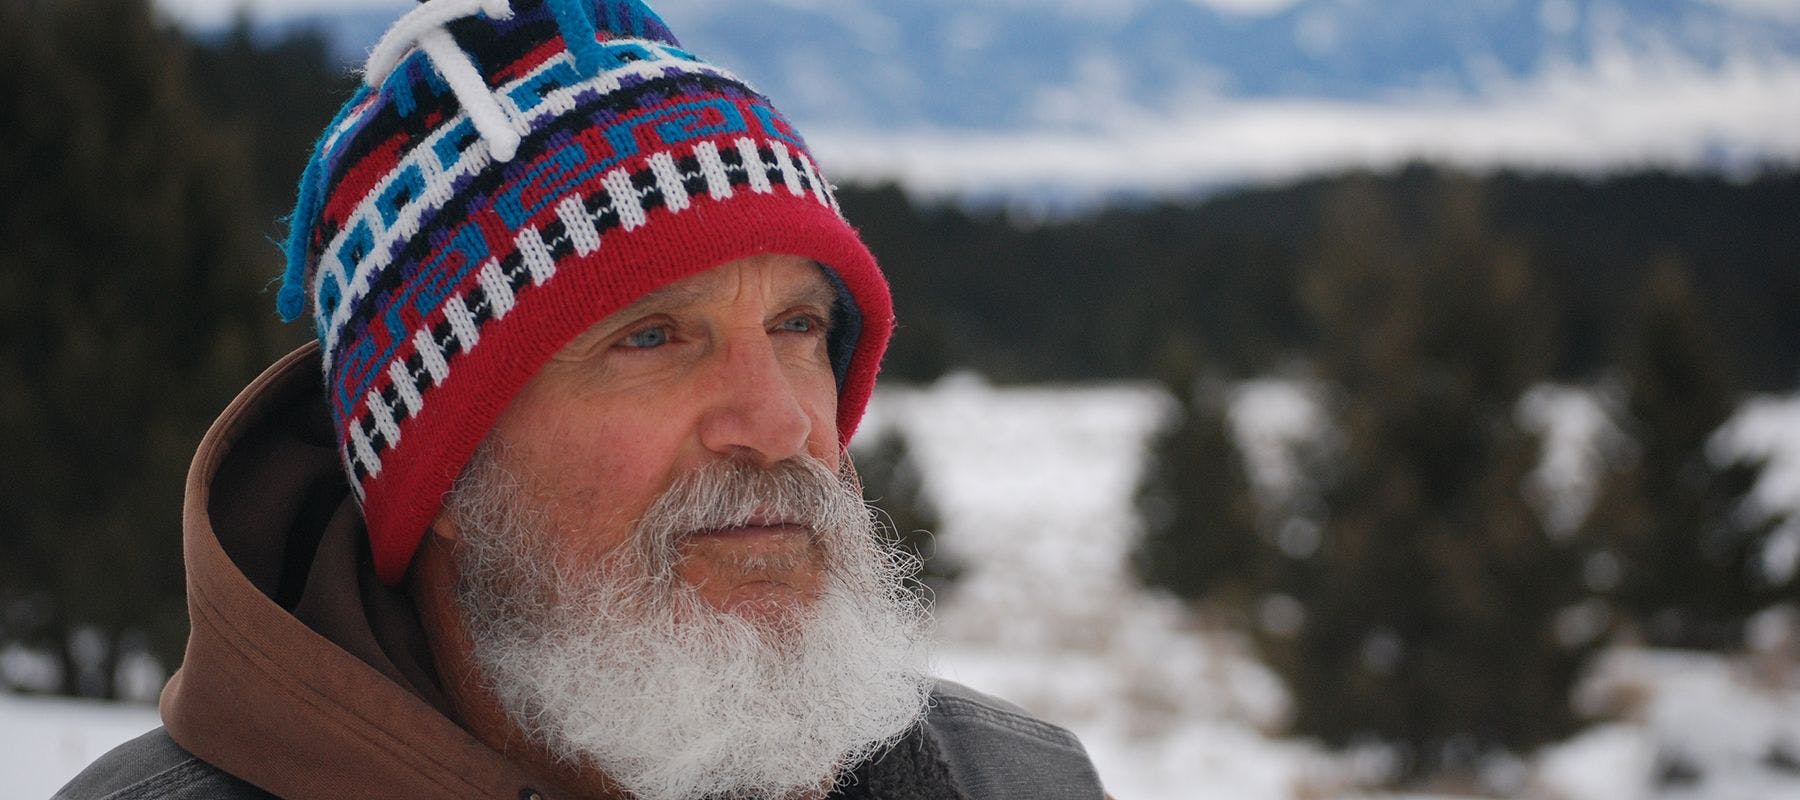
(509, 174)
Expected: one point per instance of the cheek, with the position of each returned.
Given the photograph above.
(623, 466)
(594, 470)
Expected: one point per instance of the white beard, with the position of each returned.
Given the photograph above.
(623, 667)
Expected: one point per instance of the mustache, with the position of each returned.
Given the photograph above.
(801, 492)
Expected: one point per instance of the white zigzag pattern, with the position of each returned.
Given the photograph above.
(440, 179)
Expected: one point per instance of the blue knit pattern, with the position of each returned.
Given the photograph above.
(581, 23)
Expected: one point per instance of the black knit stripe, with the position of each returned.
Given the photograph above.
(494, 44)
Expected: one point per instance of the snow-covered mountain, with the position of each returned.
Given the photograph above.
(1004, 95)
(1026, 64)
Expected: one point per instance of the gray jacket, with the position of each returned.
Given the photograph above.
(992, 751)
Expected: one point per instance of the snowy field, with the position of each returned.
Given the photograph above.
(1033, 487)
(44, 742)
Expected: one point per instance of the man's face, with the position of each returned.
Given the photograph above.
(730, 364)
(665, 572)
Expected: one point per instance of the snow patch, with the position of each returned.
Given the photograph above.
(1034, 487)
(1271, 421)
(1608, 762)
(1687, 725)
(1767, 429)
(1579, 440)
(45, 741)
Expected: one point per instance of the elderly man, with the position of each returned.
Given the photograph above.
(570, 514)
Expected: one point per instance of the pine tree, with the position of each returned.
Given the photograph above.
(892, 482)
(1429, 604)
(129, 273)
(1682, 561)
(1199, 539)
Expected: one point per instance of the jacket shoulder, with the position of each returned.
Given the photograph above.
(154, 767)
(996, 750)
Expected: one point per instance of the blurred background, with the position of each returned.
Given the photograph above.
(1305, 398)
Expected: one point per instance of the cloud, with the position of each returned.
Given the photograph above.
(1618, 113)
(1786, 10)
(1258, 8)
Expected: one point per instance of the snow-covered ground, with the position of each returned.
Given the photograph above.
(1033, 488)
(1685, 726)
(44, 742)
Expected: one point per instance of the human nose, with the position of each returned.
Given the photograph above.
(755, 412)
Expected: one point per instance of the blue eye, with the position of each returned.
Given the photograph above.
(647, 338)
(801, 324)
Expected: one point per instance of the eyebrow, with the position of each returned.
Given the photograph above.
(820, 292)
(817, 292)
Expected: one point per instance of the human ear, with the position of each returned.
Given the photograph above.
(444, 527)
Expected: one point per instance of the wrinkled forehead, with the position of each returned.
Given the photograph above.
(788, 280)
(782, 282)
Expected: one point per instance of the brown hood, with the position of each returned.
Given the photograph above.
(304, 674)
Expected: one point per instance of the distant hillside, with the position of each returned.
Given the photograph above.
(1103, 295)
